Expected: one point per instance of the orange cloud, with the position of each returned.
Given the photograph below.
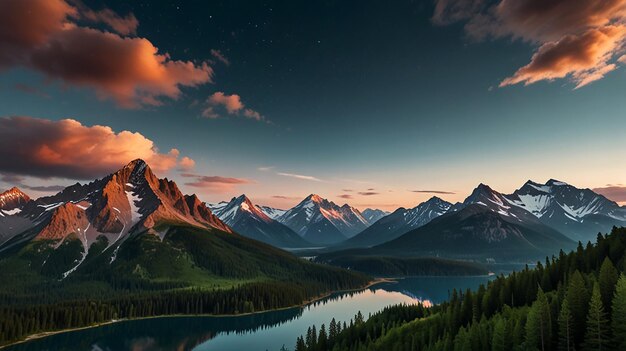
(68, 149)
(216, 184)
(580, 40)
(186, 163)
(584, 58)
(41, 35)
(123, 25)
(231, 103)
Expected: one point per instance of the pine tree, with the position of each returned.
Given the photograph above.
(619, 314)
(322, 341)
(499, 341)
(578, 297)
(565, 327)
(596, 336)
(539, 324)
(332, 329)
(607, 280)
(300, 346)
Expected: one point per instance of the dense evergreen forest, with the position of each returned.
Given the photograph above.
(575, 301)
(395, 267)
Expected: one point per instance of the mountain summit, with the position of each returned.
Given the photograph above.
(249, 220)
(579, 213)
(322, 222)
(12, 201)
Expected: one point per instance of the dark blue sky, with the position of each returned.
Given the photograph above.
(359, 95)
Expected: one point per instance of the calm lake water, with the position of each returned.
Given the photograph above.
(258, 332)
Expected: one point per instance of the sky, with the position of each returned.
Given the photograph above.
(370, 103)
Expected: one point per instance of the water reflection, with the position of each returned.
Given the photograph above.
(262, 331)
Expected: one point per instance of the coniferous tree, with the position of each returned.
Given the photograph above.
(607, 280)
(597, 333)
(539, 324)
(619, 314)
(500, 337)
(322, 341)
(300, 345)
(565, 327)
(578, 297)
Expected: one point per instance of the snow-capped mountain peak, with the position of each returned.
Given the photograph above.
(228, 212)
(249, 220)
(372, 215)
(557, 198)
(325, 218)
(12, 201)
(271, 212)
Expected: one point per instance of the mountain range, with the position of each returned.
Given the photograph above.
(576, 213)
(251, 221)
(133, 200)
(131, 228)
(323, 222)
(397, 223)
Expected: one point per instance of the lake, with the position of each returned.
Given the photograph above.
(262, 331)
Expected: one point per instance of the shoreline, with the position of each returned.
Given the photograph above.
(303, 304)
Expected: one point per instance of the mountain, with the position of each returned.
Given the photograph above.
(271, 212)
(133, 228)
(399, 222)
(372, 215)
(112, 209)
(248, 220)
(478, 232)
(322, 222)
(579, 213)
(131, 200)
(12, 201)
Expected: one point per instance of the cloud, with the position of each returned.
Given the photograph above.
(265, 168)
(368, 193)
(299, 176)
(347, 190)
(345, 196)
(68, 149)
(616, 193)
(231, 103)
(215, 183)
(43, 35)
(579, 40)
(584, 58)
(186, 164)
(282, 197)
(441, 192)
(450, 11)
(44, 188)
(126, 25)
(10, 178)
(220, 57)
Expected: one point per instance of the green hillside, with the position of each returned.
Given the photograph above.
(189, 271)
